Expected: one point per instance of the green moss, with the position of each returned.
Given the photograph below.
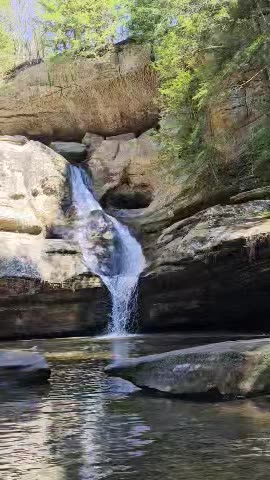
(257, 152)
(76, 356)
(265, 214)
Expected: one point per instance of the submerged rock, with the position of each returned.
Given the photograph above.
(235, 369)
(23, 367)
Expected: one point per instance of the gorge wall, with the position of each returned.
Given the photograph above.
(64, 99)
(206, 244)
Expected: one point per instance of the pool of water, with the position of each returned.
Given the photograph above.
(86, 426)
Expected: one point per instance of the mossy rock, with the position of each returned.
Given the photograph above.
(228, 369)
(77, 356)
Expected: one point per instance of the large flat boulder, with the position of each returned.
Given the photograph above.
(23, 367)
(33, 185)
(63, 100)
(235, 369)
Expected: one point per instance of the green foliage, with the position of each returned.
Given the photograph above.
(6, 48)
(6, 52)
(258, 152)
(197, 45)
(22, 35)
(81, 27)
(147, 19)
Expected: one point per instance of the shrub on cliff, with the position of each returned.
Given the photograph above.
(198, 45)
(6, 52)
(82, 27)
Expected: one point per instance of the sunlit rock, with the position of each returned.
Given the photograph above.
(32, 183)
(235, 369)
(125, 171)
(109, 95)
(92, 141)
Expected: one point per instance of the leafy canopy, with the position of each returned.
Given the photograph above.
(6, 52)
(197, 44)
(22, 36)
(6, 44)
(82, 26)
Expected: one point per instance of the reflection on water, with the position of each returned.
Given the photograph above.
(86, 426)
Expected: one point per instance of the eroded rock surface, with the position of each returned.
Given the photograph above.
(45, 288)
(207, 245)
(32, 183)
(238, 109)
(210, 270)
(125, 171)
(235, 369)
(108, 96)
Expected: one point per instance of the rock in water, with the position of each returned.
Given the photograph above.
(23, 367)
(235, 369)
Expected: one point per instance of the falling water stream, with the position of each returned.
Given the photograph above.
(109, 251)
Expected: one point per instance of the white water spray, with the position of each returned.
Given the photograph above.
(109, 251)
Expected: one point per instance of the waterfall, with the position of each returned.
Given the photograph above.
(108, 249)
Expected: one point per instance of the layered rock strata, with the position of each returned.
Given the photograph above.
(64, 99)
(45, 288)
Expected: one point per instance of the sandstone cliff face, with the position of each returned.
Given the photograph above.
(211, 270)
(32, 182)
(231, 119)
(125, 171)
(208, 269)
(240, 107)
(207, 245)
(110, 95)
(45, 288)
(209, 266)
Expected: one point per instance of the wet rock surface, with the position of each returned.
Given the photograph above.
(232, 369)
(210, 270)
(45, 287)
(71, 151)
(22, 367)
